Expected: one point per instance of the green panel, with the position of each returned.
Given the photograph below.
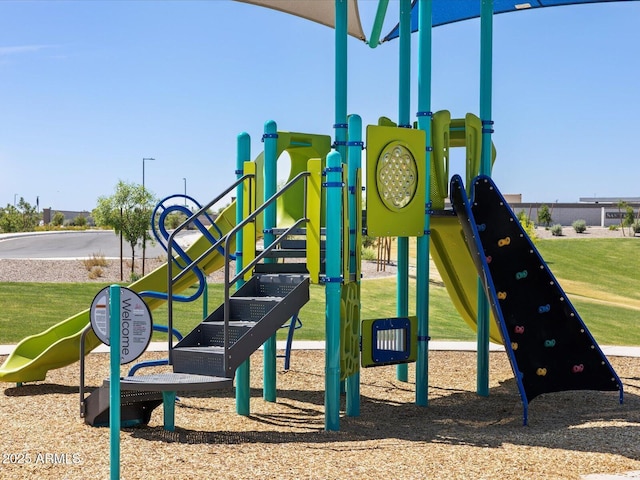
(368, 342)
(396, 177)
(349, 329)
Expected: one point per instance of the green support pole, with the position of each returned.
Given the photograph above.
(270, 185)
(381, 12)
(404, 115)
(333, 292)
(355, 150)
(486, 67)
(243, 375)
(114, 383)
(424, 123)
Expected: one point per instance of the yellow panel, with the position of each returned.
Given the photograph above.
(396, 180)
(358, 245)
(249, 205)
(314, 209)
(345, 227)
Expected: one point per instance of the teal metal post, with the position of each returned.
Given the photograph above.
(340, 124)
(374, 38)
(243, 375)
(404, 106)
(270, 185)
(114, 381)
(353, 164)
(333, 291)
(486, 67)
(424, 123)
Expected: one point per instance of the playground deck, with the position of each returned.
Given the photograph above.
(460, 435)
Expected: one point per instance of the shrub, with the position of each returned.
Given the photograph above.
(527, 225)
(556, 230)
(95, 272)
(614, 228)
(96, 260)
(80, 221)
(369, 254)
(636, 227)
(580, 226)
(58, 219)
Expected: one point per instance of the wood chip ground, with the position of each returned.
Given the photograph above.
(460, 435)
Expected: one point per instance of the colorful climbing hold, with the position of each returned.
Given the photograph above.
(489, 259)
(550, 343)
(514, 346)
(577, 368)
(502, 295)
(541, 372)
(544, 308)
(519, 329)
(481, 227)
(521, 275)
(504, 241)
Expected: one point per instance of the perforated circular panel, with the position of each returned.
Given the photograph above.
(397, 176)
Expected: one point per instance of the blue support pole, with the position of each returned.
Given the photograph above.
(333, 292)
(243, 372)
(404, 116)
(354, 161)
(270, 186)
(486, 68)
(424, 123)
(114, 382)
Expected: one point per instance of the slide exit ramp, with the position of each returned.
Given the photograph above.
(549, 346)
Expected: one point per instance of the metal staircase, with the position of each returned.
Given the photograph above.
(256, 311)
(208, 356)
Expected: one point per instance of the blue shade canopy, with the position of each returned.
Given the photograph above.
(450, 11)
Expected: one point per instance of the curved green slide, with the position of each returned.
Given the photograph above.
(451, 255)
(59, 345)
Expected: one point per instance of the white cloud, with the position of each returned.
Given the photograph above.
(17, 50)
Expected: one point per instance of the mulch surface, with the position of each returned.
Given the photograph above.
(459, 435)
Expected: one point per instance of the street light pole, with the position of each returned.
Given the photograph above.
(144, 160)
(14, 199)
(185, 191)
(144, 238)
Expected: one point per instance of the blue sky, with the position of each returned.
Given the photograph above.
(89, 88)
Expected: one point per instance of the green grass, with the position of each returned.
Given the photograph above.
(599, 276)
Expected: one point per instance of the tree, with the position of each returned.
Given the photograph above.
(544, 215)
(128, 212)
(629, 217)
(20, 218)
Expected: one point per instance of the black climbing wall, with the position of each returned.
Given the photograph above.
(550, 348)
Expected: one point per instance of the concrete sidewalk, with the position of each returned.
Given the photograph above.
(608, 350)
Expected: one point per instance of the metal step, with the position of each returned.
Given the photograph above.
(199, 360)
(283, 268)
(141, 394)
(136, 407)
(211, 333)
(265, 301)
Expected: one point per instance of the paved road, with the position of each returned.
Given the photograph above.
(69, 245)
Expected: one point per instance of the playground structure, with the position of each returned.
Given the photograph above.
(315, 222)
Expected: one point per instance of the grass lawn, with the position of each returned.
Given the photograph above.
(599, 276)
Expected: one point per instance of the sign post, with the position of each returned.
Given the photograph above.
(128, 336)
